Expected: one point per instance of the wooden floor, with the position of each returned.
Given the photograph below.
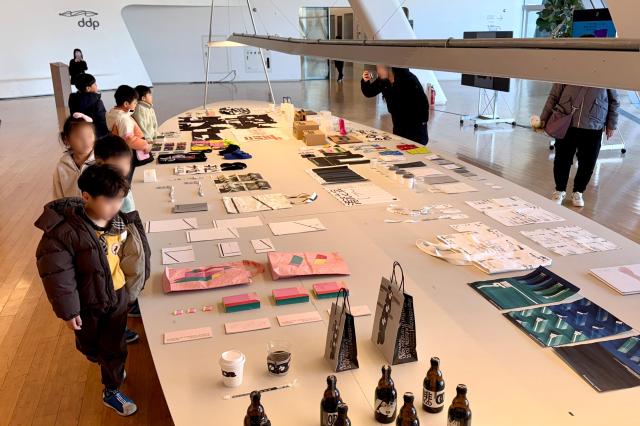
(44, 380)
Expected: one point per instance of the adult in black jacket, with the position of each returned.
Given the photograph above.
(406, 101)
(77, 65)
(88, 101)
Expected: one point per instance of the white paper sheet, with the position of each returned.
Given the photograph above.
(296, 227)
(359, 194)
(453, 188)
(255, 203)
(569, 240)
(173, 255)
(491, 250)
(172, 225)
(514, 211)
(211, 234)
(241, 222)
(624, 279)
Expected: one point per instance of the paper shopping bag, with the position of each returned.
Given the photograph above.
(394, 325)
(341, 349)
(207, 277)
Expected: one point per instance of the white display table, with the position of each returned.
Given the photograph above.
(511, 380)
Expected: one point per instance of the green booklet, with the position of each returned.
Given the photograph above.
(536, 288)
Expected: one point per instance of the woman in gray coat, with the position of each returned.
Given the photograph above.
(595, 112)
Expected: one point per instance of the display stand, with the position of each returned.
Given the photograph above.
(211, 43)
(487, 110)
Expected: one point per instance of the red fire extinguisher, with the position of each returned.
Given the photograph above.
(431, 95)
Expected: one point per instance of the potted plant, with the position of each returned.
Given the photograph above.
(557, 17)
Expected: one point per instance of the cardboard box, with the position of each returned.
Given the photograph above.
(299, 126)
(313, 137)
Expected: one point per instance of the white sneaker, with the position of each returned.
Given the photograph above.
(558, 196)
(577, 200)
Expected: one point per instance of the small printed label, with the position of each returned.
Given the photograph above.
(432, 399)
(328, 419)
(387, 410)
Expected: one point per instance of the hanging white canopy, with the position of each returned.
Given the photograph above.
(609, 63)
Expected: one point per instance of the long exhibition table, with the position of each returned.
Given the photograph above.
(511, 379)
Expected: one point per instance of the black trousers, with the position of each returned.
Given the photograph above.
(101, 339)
(583, 144)
(340, 67)
(417, 133)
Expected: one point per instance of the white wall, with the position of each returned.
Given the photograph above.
(181, 37)
(33, 34)
(437, 19)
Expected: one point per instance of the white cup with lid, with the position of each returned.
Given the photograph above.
(232, 366)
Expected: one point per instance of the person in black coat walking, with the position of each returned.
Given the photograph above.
(406, 101)
(77, 65)
(88, 101)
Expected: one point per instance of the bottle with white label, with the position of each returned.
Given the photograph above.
(459, 411)
(329, 404)
(386, 398)
(433, 388)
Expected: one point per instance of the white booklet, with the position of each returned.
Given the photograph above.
(172, 225)
(241, 222)
(211, 234)
(172, 255)
(624, 279)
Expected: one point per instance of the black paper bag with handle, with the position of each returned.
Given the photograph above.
(394, 326)
(341, 349)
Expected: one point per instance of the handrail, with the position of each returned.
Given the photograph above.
(598, 44)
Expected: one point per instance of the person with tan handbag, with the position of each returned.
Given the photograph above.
(576, 117)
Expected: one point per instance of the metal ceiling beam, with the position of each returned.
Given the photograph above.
(609, 63)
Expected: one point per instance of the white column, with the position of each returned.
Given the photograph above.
(385, 20)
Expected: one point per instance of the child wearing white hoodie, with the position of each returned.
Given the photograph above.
(78, 136)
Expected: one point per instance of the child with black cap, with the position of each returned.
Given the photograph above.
(88, 101)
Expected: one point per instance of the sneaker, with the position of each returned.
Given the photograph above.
(558, 196)
(130, 336)
(120, 402)
(577, 200)
(134, 311)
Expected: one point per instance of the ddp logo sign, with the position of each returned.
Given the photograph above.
(86, 20)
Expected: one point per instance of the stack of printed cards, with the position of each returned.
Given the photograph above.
(329, 290)
(290, 295)
(241, 302)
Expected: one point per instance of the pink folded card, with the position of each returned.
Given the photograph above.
(240, 299)
(290, 293)
(288, 265)
(207, 277)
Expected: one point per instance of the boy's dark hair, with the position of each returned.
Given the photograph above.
(103, 180)
(142, 91)
(70, 124)
(82, 81)
(124, 94)
(111, 146)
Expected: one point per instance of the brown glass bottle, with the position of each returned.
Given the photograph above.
(459, 411)
(343, 419)
(329, 404)
(433, 388)
(408, 415)
(386, 398)
(255, 413)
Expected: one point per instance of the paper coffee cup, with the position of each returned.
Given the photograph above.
(232, 366)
